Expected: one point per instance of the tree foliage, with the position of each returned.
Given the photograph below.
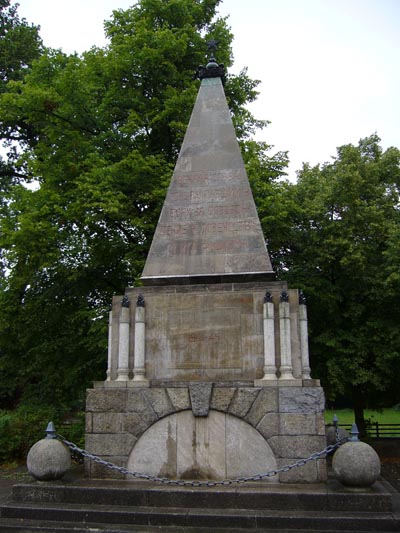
(97, 137)
(341, 246)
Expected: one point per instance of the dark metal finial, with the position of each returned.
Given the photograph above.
(284, 296)
(302, 298)
(140, 301)
(268, 297)
(212, 46)
(125, 301)
(212, 69)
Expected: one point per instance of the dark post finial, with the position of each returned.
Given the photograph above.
(211, 47)
(212, 69)
(125, 301)
(284, 296)
(302, 298)
(140, 301)
(268, 297)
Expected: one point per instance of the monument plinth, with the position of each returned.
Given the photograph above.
(208, 373)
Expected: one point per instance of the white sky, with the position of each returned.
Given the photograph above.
(329, 68)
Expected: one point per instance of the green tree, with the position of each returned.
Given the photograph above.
(341, 248)
(99, 136)
(20, 45)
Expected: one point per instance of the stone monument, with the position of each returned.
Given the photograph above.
(208, 370)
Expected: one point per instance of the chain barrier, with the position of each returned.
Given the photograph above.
(184, 483)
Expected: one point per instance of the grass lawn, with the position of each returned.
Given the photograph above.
(346, 416)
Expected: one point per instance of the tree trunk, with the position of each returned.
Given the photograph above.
(358, 407)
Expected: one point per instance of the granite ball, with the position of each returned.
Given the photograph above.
(356, 464)
(48, 460)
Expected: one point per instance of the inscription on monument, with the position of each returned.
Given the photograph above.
(204, 248)
(190, 229)
(213, 211)
(203, 196)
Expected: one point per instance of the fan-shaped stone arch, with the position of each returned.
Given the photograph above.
(214, 447)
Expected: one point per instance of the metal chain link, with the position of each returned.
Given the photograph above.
(209, 483)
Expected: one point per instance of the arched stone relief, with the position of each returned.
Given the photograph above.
(218, 446)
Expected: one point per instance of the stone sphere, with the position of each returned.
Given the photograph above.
(48, 460)
(356, 464)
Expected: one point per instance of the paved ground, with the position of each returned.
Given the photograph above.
(9, 476)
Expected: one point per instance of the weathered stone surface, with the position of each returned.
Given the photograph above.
(295, 424)
(106, 423)
(356, 464)
(136, 423)
(301, 400)
(155, 452)
(221, 398)
(266, 402)
(98, 471)
(247, 453)
(322, 470)
(213, 447)
(105, 400)
(88, 423)
(320, 424)
(200, 396)
(201, 446)
(179, 398)
(209, 224)
(48, 460)
(242, 401)
(137, 403)
(269, 425)
(302, 474)
(159, 400)
(296, 447)
(211, 332)
(109, 443)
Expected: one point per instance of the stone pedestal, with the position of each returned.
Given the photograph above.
(248, 430)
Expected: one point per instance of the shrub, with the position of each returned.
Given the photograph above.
(22, 427)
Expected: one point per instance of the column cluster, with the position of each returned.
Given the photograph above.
(285, 326)
(123, 368)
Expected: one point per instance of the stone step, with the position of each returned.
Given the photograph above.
(321, 497)
(37, 526)
(257, 519)
(77, 505)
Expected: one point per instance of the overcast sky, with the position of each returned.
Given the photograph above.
(329, 69)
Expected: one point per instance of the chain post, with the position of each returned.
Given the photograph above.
(354, 433)
(336, 426)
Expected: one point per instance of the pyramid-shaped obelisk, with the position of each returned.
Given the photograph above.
(208, 373)
(208, 230)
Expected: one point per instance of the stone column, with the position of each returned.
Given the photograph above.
(269, 341)
(123, 345)
(285, 337)
(305, 360)
(110, 316)
(140, 331)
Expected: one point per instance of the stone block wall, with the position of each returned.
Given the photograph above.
(289, 419)
(213, 332)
